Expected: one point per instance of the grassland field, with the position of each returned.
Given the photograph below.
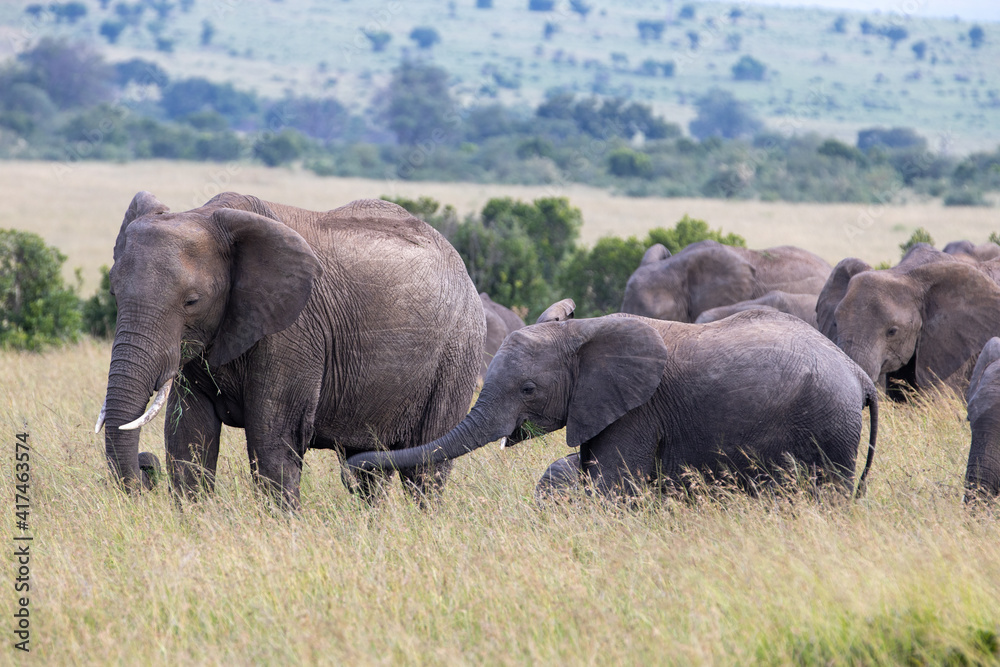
(78, 207)
(907, 575)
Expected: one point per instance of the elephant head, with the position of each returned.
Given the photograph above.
(704, 275)
(215, 279)
(582, 374)
(927, 320)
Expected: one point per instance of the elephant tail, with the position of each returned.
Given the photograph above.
(871, 400)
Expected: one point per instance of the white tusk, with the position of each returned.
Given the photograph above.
(503, 442)
(158, 402)
(100, 417)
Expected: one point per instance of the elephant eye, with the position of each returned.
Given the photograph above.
(191, 301)
(892, 331)
(528, 388)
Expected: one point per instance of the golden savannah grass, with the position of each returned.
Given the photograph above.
(905, 575)
(79, 208)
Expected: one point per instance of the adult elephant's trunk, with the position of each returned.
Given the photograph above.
(982, 475)
(866, 356)
(476, 430)
(139, 367)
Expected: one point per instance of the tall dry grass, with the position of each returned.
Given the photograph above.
(906, 575)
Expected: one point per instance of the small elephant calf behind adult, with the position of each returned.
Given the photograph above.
(645, 399)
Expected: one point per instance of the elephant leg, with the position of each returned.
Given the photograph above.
(191, 433)
(621, 460)
(561, 477)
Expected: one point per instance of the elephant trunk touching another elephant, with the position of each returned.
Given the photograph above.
(641, 398)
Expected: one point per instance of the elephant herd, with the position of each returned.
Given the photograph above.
(359, 330)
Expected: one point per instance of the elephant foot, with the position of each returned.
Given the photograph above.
(560, 480)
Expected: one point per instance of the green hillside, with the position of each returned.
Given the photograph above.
(815, 79)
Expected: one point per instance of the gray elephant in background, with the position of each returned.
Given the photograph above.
(645, 399)
(983, 252)
(349, 329)
(707, 275)
(802, 306)
(500, 321)
(982, 474)
(922, 322)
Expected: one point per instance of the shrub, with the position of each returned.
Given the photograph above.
(720, 114)
(280, 148)
(541, 5)
(919, 235)
(425, 36)
(36, 307)
(749, 68)
(691, 230)
(625, 163)
(100, 312)
(595, 279)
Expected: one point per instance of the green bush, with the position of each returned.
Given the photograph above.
(919, 235)
(691, 230)
(37, 309)
(595, 278)
(625, 162)
(100, 312)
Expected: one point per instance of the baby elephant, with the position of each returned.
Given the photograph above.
(643, 399)
(982, 475)
(802, 306)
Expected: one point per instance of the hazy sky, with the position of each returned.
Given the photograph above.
(970, 10)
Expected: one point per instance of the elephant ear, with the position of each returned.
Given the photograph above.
(989, 354)
(718, 276)
(273, 270)
(620, 362)
(560, 311)
(833, 292)
(961, 312)
(144, 203)
(654, 253)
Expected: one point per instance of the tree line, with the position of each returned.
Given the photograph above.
(62, 101)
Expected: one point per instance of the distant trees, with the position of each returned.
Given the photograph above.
(580, 8)
(894, 138)
(749, 68)
(840, 25)
(722, 115)
(651, 29)
(207, 32)
(417, 103)
(187, 96)
(919, 49)
(541, 5)
(379, 39)
(976, 36)
(686, 13)
(484, 4)
(607, 118)
(425, 36)
(71, 74)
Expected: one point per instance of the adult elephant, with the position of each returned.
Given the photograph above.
(983, 252)
(351, 329)
(922, 322)
(641, 399)
(802, 306)
(500, 321)
(708, 274)
(982, 473)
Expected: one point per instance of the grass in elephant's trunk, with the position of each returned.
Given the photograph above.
(906, 574)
